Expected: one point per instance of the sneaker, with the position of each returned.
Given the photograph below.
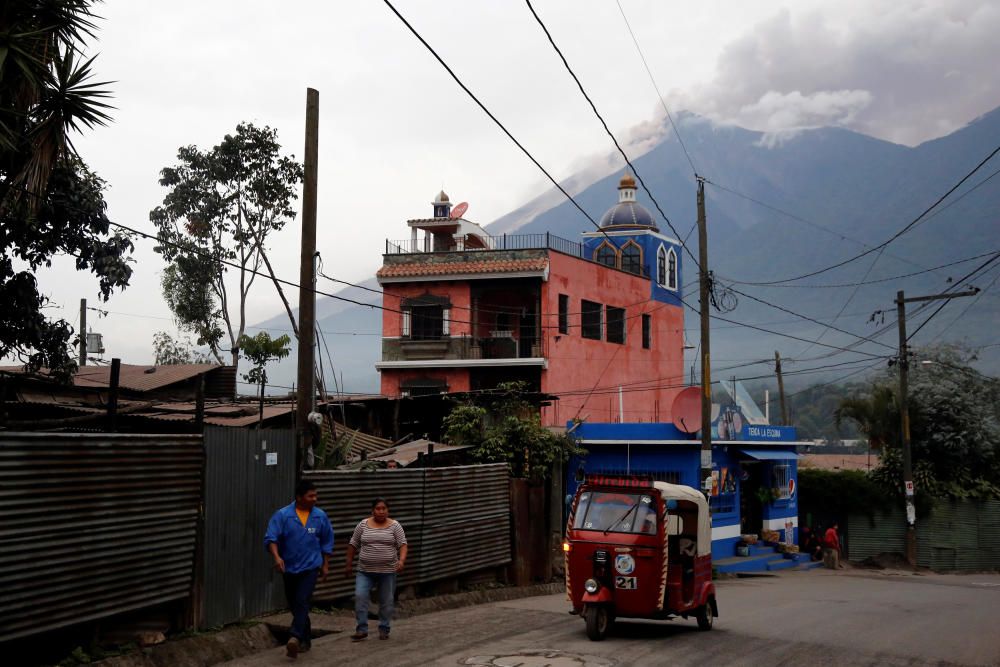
(359, 636)
(292, 648)
(383, 633)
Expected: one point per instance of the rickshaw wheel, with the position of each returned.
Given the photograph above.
(598, 619)
(705, 616)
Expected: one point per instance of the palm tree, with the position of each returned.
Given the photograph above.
(45, 92)
(877, 415)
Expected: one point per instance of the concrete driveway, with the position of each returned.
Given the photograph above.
(801, 618)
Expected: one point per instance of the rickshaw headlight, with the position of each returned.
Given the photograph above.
(591, 586)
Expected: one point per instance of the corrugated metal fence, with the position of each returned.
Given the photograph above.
(248, 475)
(93, 525)
(958, 535)
(457, 520)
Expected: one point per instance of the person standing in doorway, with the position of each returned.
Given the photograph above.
(831, 548)
(381, 547)
(300, 539)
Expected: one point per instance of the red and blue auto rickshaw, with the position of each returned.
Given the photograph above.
(636, 548)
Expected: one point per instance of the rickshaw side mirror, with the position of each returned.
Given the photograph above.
(671, 504)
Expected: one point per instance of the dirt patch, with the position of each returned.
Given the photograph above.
(199, 650)
(886, 561)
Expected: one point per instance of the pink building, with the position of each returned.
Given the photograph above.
(597, 322)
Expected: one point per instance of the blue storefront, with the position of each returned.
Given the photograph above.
(754, 474)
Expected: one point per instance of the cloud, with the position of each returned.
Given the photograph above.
(901, 71)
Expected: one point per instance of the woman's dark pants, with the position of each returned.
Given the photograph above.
(298, 591)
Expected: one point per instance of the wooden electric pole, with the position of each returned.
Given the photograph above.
(307, 283)
(781, 389)
(904, 412)
(706, 366)
(83, 332)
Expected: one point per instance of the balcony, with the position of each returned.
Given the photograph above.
(501, 348)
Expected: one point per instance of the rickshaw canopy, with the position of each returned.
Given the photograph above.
(686, 493)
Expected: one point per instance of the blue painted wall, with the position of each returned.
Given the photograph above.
(650, 246)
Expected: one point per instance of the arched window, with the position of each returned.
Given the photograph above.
(661, 267)
(672, 269)
(606, 255)
(632, 258)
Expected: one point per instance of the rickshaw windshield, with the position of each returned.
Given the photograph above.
(612, 512)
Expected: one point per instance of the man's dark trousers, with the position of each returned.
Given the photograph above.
(298, 590)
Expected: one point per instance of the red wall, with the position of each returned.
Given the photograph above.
(393, 294)
(650, 378)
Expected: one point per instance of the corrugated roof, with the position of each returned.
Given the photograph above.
(450, 268)
(133, 377)
(838, 461)
(407, 453)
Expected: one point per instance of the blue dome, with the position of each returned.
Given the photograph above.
(629, 215)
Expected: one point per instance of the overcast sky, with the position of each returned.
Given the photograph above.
(394, 128)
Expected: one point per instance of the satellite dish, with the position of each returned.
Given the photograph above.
(686, 410)
(459, 210)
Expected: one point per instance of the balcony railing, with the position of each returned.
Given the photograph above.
(462, 347)
(443, 243)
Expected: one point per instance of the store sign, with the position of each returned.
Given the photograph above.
(768, 433)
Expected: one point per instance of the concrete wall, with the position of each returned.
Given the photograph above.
(650, 378)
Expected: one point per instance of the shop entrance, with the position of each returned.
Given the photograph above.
(751, 507)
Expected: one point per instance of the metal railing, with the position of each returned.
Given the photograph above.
(462, 347)
(444, 243)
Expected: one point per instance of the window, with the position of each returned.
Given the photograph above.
(616, 512)
(606, 255)
(616, 325)
(590, 319)
(780, 475)
(563, 314)
(672, 269)
(632, 258)
(427, 322)
(661, 266)
(647, 330)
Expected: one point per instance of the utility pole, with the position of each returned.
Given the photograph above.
(904, 411)
(83, 332)
(781, 389)
(706, 366)
(307, 281)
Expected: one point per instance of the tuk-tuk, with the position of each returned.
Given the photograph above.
(636, 548)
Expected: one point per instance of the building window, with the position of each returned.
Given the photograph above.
(661, 267)
(426, 322)
(672, 269)
(616, 325)
(780, 474)
(647, 326)
(590, 319)
(632, 258)
(607, 255)
(563, 313)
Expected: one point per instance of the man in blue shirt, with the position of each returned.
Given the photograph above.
(300, 539)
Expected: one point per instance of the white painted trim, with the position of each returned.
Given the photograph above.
(634, 232)
(543, 274)
(779, 524)
(461, 363)
(726, 532)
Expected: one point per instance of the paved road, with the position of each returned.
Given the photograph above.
(800, 618)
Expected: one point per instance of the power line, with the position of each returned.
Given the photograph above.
(910, 225)
(609, 132)
(659, 95)
(494, 118)
(958, 283)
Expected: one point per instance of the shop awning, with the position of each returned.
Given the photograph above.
(770, 454)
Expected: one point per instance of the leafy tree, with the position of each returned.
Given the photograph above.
(170, 351)
(222, 206)
(50, 202)
(875, 414)
(954, 426)
(507, 429)
(261, 350)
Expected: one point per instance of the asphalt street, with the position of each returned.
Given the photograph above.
(801, 618)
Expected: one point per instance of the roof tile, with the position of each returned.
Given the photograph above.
(451, 268)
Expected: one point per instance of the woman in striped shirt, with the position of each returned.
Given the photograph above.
(381, 547)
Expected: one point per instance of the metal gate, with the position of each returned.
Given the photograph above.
(248, 475)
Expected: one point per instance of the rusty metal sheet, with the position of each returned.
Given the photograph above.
(94, 525)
